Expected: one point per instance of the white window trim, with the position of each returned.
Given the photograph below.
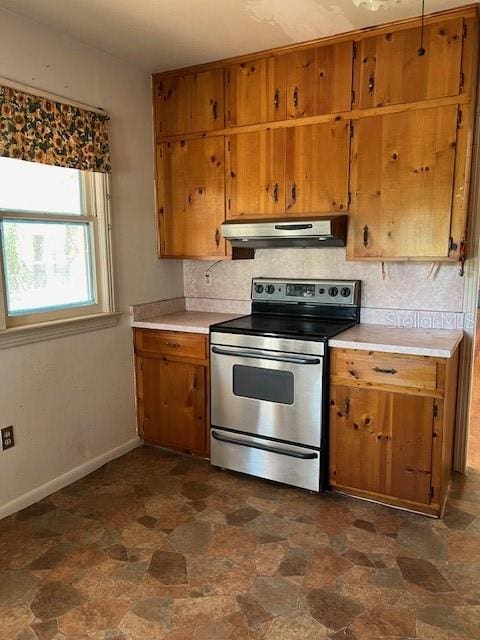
(103, 314)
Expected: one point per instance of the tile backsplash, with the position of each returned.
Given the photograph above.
(409, 294)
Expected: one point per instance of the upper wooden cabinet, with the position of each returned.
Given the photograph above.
(317, 168)
(255, 91)
(389, 70)
(291, 171)
(402, 182)
(190, 197)
(189, 103)
(319, 80)
(255, 173)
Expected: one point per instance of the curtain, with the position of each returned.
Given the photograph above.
(38, 129)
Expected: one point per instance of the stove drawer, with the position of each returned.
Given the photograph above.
(378, 368)
(286, 463)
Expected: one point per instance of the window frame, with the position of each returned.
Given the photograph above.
(96, 213)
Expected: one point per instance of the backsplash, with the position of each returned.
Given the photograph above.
(406, 294)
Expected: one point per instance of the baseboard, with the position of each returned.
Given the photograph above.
(67, 478)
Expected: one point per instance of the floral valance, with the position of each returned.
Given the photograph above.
(38, 129)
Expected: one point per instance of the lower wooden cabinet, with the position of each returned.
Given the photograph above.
(172, 389)
(389, 442)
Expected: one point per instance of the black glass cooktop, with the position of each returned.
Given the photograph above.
(285, 326)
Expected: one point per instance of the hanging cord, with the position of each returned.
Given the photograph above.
(211, 267)
(421, 51)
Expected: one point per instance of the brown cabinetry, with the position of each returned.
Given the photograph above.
(403, 167)
(190, 197)
(319, 80)
(389, 69)
(401, 170)
(189, 103)
(391, 427)
(172, 389)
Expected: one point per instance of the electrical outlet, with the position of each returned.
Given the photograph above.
(7, 437)
(208, 279)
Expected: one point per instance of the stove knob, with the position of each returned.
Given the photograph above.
(259, 288)
(321, 291)
(333, 291)
(345, 292)
(269, 288)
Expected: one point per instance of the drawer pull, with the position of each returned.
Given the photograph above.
(173, 345)
(379, 370)
(346, 407)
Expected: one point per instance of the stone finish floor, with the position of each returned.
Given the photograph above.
(155, 545)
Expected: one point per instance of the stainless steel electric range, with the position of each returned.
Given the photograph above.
(269, 379)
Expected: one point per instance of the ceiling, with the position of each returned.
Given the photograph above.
(158, 35)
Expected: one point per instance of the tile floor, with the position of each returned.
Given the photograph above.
(154, 546)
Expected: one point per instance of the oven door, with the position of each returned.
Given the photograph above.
(274, 394)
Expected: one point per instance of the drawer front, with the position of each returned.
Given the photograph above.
(385, 369)
(171, 343)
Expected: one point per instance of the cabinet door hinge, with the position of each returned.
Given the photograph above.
(432, 493)
(435, 410)
(459, 118)
(452, 246)
(464, 30)
(354, 51)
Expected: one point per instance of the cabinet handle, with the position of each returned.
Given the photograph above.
(217, 237)
(215, 110)
(346, 407)
(365, 236)
(293, 193)
(371, 85)
(295, 97)
(276, 99)
(173, 345)
(275, 192)
(380, 370)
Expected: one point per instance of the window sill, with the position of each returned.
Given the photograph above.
(17, 336)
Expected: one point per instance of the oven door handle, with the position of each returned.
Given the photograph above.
(258, 356)
(254, 445)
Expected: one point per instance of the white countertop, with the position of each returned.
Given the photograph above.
(189, 321)
(440, 343)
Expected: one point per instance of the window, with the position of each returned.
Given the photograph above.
(54, 243)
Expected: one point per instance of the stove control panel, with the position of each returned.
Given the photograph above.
(338, 292)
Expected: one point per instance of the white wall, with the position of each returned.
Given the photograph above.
(72, 399)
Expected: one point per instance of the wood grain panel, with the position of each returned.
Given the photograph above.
(171, 343)
(411, 450)
(174, 404)
(317, 168)
(189, 103)
(255, 173)
(402, 180)
(389, 70)
(255, 91)
(384, 368)
(191, 197)
(359, 419)
(319, 80)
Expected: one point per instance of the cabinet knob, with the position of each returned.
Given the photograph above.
(215, 109)
(276, 99)
(295, 97)
(218, 237)
(365, 236)
(173, 345)
(346, 407)
(293, 193)
(371, 85)
(380, 370)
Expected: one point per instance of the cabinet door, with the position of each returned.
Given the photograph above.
(191, 197)
(255, 91)
(402, 182)
(319, 80)
(173, 403)
(388, 69)
(189, 103)
(255, 173)
(381, 442)
(317, 168)
(359, 421)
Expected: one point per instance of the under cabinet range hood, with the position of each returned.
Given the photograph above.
(300, 232)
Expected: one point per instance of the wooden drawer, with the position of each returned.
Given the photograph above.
(377, 368)
(171, 343)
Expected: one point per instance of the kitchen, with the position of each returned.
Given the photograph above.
(316, 251)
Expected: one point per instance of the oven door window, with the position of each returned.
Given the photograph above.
(263, 384)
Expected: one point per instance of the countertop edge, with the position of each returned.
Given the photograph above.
(390, 348)
(169, 326)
